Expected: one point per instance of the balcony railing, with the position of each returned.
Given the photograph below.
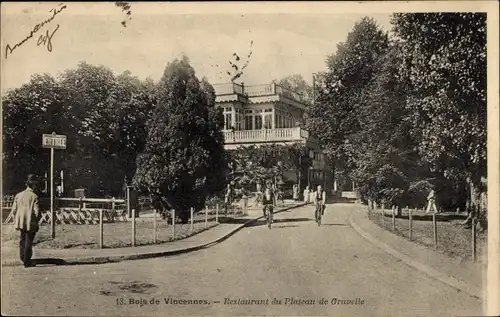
(228, 89)
(256, 90)
(264, 135)
(260, 90)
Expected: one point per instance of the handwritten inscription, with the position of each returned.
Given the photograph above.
(45, 39)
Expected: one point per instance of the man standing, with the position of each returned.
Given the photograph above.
(27, 213)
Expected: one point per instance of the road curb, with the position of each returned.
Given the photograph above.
(149, 255)
(444, 278)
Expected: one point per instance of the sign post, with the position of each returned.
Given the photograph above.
(53, 141)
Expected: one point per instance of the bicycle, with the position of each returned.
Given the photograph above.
(318, 213)
(268, 214)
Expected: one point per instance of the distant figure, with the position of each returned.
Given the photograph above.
(312, 192)
(295, 192)
(320, 199)
(27, 213)
(431, 202)
(306, 195)
(59, 191)
(268, 199)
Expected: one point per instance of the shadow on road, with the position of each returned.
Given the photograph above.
(48, 261)
(263, 222)
(284, 227)
(334, 224)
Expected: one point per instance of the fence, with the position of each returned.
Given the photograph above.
(74, 210)
(108, 224)
(441, 230)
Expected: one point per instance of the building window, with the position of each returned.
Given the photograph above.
(248, 120)
(258, 119)
(228, 118)
(268, 121)
(238, 118)
(228, 123)
(258, 122)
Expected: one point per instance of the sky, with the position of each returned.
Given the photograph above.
(286, 39)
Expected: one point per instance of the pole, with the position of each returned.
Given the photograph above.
(382, 212)
(411, 224)
(217, 213)
(52, 218)
(80, 209)
(434, 222)
(206, 216)
(474, 237)
(133, 227)
(154, 225)
(62, 183)
(173, 225)
(101, 230)
(393, 218)
(192, 220)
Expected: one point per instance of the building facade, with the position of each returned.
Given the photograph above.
(269, 114)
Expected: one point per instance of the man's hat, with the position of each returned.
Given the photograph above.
(32, 180)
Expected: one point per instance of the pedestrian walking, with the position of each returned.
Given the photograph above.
(306, 195)
(431, 202)
(312, 193)
(295, 192)
(27, 213)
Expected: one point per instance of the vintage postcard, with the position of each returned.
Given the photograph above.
(250, 158)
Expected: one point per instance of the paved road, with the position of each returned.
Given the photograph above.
(296, 259)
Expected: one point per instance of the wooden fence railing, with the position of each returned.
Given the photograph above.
(75, 210)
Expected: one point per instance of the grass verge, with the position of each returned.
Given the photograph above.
(115, 235)
(452, 238)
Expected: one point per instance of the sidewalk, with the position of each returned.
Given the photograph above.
(466, 276)
(76, 256)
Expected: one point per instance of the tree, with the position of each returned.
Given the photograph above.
(445, 58)
(183, 158)
(334, 117)
(103, 117)
(259, 164)
(297, 83)
(29, 111)
(108, 118)
(388, 163)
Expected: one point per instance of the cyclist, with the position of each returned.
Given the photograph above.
(319, 202)
(268, 199)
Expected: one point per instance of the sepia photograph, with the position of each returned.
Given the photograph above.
(250, 158)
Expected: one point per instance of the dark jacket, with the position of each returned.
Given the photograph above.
(266, 201)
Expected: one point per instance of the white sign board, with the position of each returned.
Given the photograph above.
(54, 141)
